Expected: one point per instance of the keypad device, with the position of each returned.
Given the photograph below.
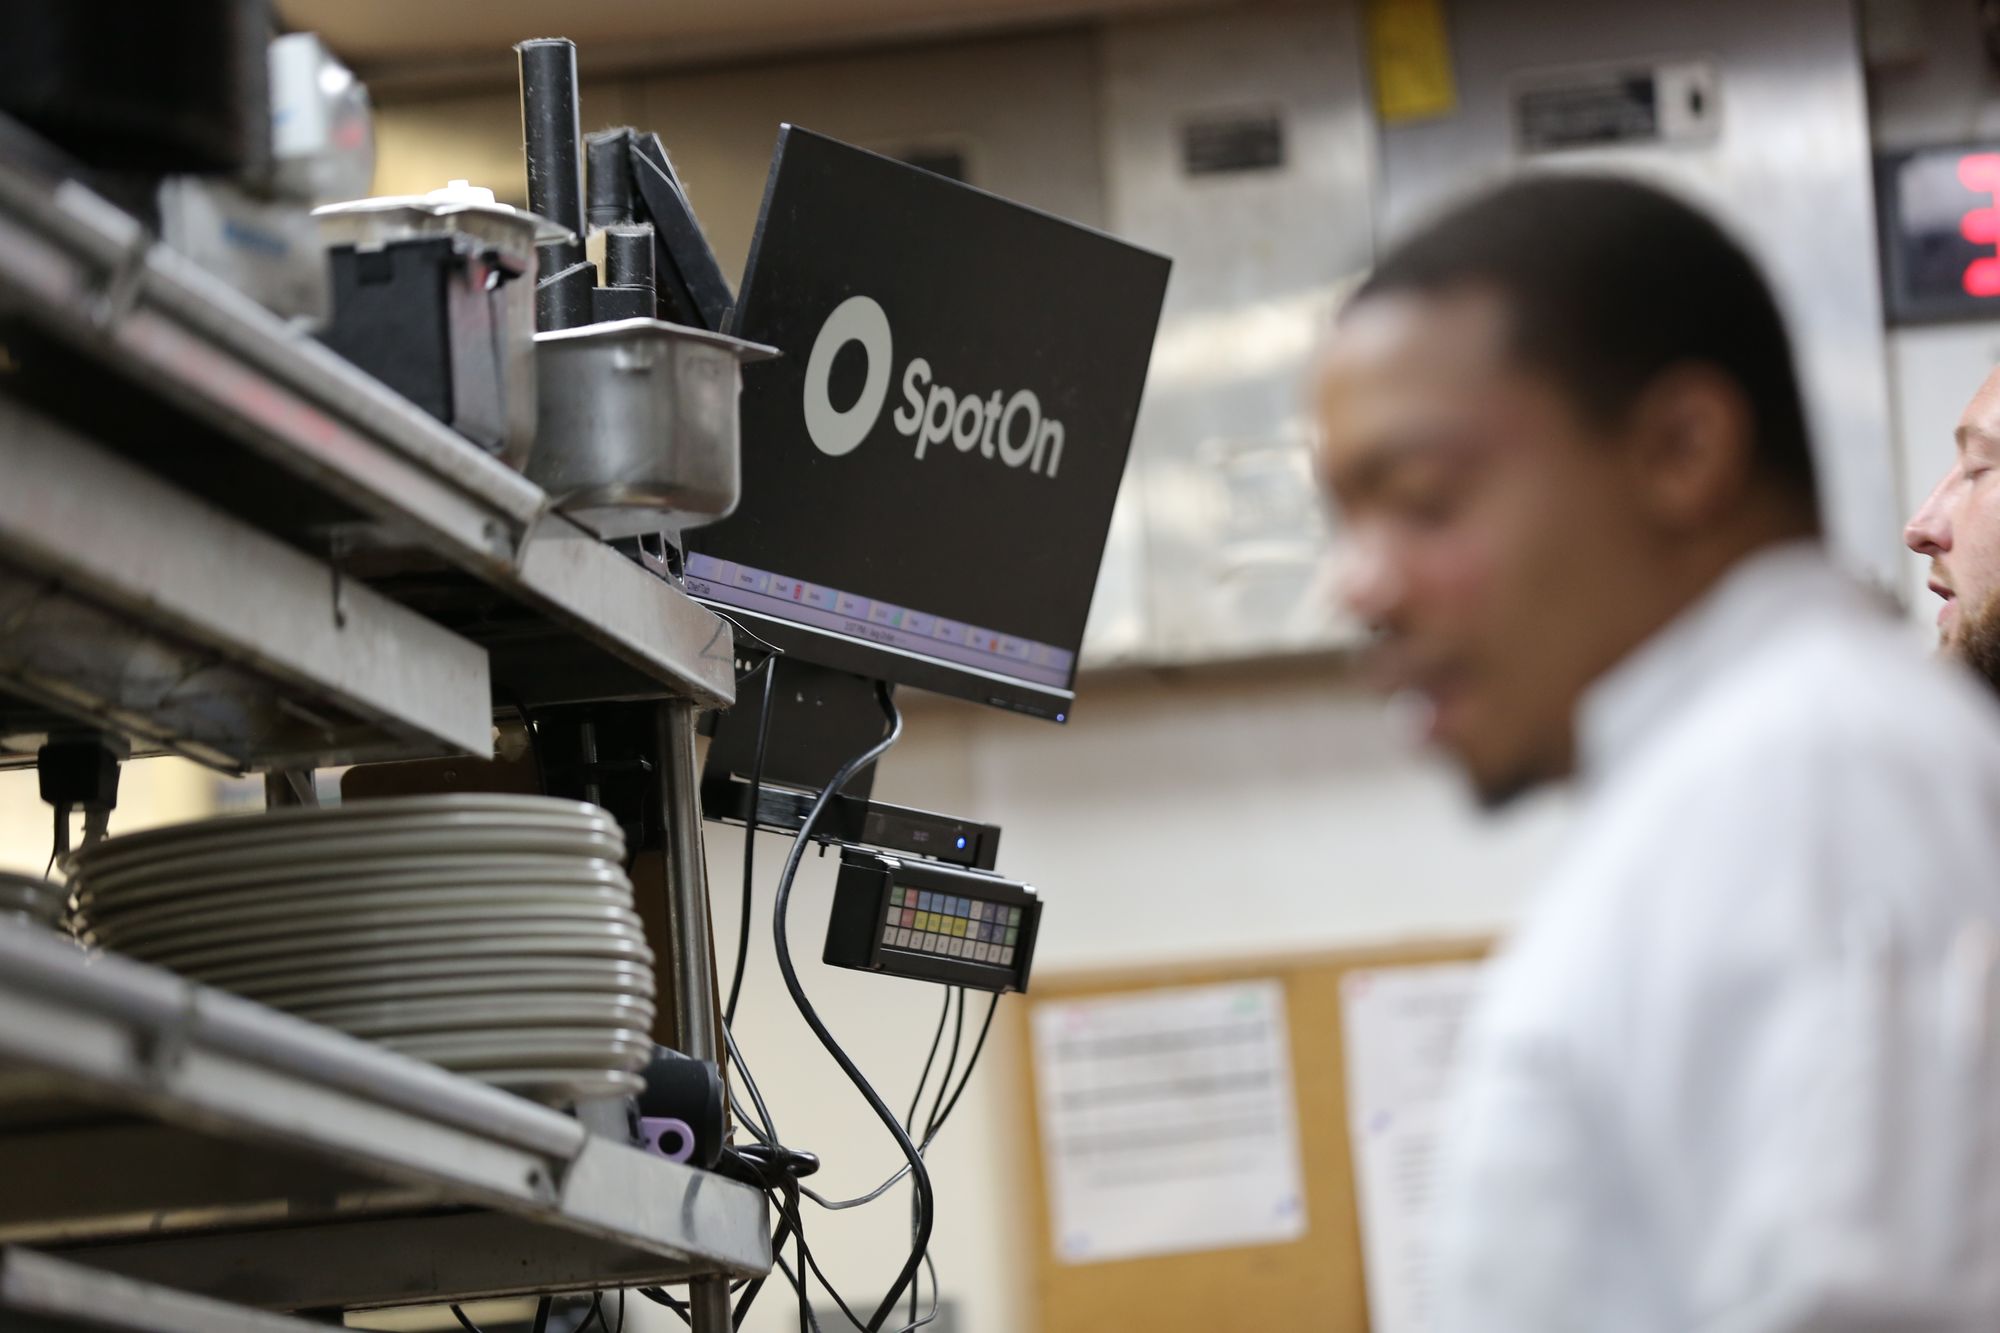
(932, 921)
(946, 925)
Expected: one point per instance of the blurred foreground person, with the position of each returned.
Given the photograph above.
(1958, 527)
(1739, 1070)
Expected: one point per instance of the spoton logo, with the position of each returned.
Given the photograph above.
(1008, 427)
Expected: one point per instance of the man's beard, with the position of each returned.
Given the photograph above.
(1977, 643)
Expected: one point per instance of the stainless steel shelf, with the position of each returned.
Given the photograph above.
(174, 1134)
(149, 356)
(39, 1294)
(130, 603)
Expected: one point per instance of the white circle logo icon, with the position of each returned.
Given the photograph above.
(858, 319)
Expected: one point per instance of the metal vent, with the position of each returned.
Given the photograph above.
(1221, 145)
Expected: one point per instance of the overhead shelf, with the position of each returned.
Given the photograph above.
(134, 606)
(174, 1134)
(128, 344)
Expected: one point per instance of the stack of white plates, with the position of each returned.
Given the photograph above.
(30, 898)
(492, 935)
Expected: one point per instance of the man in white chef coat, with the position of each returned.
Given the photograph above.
(1958, 527)
(1739, 1069)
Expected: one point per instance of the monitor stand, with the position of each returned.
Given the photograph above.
(820, 719)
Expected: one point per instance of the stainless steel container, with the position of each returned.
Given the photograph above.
(467, 212)
(638, 424)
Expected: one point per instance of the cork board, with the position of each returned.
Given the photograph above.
(1314, 1282)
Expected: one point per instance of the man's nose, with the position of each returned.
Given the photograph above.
(1929, 531)
(1370, 586)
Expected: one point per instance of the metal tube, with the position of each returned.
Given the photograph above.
(689, 937)
(708, 1305)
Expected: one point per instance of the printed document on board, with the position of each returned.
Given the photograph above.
(1168, 1121)
(1401, 1027)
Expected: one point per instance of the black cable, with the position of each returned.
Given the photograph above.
(542, 1308)
(658, 1297)
(937, 1039)
(765, 1123)
(910, 1120)
(464, 1322)
(782, 939)
(950, 1061)
(931, 1130)
(807, 1319)
(778, 1239)
(937, 1296)
(770, 671)
(936, 1127)
(596, 1315)
(621, 1310)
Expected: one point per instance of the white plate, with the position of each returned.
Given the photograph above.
(319, 909)
(293, 860)
(245, 964)
(531, 968)
(585, 939)
(360, 874)
(301, 932)
(560, 1087)
(316, 906)
(395, 985)
(348, 813)
(115, 854)
(556, 1048)
(492, 1012)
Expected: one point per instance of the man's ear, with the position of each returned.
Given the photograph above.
(1691, 444)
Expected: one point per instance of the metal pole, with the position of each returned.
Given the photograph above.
(688, 931)
(690, 937)
(708, 1305)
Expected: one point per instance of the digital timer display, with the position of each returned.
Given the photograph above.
(1939, 216)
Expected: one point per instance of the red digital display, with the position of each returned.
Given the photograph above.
(1939, 213)
(1979, 173)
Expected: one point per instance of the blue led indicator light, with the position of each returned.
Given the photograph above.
(961, 842)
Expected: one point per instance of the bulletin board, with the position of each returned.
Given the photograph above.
(1313, 1282)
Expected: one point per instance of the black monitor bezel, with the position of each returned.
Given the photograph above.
(844, 652)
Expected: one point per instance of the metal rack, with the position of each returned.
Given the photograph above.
(219, 539)
(176, 1134)
(254, 427)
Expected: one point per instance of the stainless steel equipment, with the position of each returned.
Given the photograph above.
(638, 424)
(468, 214)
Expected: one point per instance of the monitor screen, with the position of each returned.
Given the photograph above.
(929, 469)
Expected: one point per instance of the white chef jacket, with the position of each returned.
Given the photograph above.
(1739, 1071)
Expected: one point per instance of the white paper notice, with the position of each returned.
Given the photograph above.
(1401, 1026)
(1168, 1123)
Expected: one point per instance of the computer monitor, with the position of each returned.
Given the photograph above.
(930, 468)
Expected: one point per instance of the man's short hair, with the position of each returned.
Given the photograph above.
(1608, 283)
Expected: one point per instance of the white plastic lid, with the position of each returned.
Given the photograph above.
(461, 192)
